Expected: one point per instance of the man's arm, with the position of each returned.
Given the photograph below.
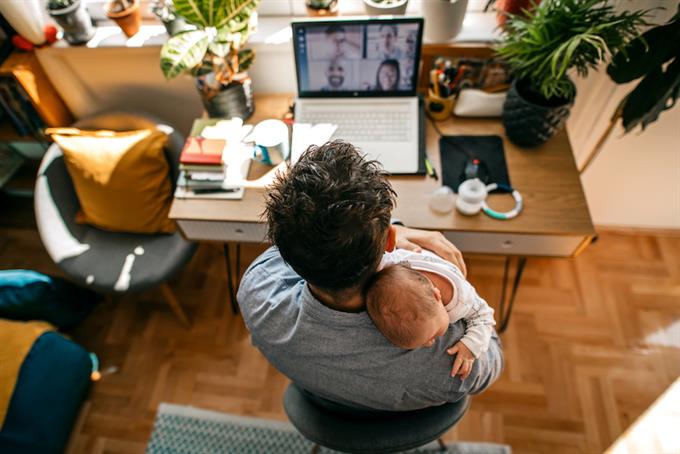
(417, 240)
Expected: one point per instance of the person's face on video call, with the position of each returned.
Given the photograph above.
(335, 74)
(411, 44)
(338, 40)
(388, 38)
(387, 77)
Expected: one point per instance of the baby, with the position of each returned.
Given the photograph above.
(416, 295)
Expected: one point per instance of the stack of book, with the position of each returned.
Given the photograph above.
(201, 165)
(214, 162)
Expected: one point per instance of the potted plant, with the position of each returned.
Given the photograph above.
(377, 7)
(654, 58)
(127, 15)
(322, 7)
(73, 18)
(164, 10)
(541, 47)
(443, 19)
(214, 53)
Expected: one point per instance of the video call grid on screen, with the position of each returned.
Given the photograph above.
(352, 58)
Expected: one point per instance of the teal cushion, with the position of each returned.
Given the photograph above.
(52, 384)
(29, 295)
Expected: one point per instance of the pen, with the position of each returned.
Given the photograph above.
(430, 169)
(434, 78)
(212, 190)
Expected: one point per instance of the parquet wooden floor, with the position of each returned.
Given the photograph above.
(592, 342)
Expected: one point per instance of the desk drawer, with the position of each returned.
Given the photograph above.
(516, 244)
(245, 232)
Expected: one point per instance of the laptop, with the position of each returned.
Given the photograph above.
(361, 75)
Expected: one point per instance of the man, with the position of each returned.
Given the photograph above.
(339, 45)
(335, 75)
(388, 42)
(329, 219)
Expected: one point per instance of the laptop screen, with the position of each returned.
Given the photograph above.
(372, 57)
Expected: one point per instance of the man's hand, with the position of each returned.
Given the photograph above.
(463, 362)
(416, 240)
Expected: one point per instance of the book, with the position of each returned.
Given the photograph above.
(203, 152)
(202, 169)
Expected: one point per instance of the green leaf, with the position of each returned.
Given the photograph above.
(644, 53)
(182, 52)
(194, 11)
(235, 13)
(656, 92)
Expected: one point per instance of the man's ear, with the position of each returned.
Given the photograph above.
(391, 239)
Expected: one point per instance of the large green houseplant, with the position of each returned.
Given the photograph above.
(542, 46)
(655, 58)
(214, 53)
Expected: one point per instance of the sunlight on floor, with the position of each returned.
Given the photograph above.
(666, 337)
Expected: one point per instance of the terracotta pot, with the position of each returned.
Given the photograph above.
(129, 20)
(505, 7)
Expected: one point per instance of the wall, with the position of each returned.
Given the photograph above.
(635, 181)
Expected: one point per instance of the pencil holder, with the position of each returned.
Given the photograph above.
(439, 108)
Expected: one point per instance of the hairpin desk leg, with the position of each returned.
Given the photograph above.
(238, 267)
(230, 278)
(504, 315)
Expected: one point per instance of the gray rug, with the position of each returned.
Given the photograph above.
(180, 429)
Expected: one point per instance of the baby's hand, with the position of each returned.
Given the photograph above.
(463, 362)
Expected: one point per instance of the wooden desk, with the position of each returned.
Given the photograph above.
(555, 221)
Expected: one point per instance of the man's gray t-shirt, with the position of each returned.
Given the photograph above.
(341, 356)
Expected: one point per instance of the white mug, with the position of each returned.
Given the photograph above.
(271, 142)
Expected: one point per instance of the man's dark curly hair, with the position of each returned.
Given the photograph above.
(329, 216)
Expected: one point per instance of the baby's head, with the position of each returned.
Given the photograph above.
(406, 307)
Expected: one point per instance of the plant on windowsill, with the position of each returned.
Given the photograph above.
(73, 18)
(126, 14)
(542, 46)
(322, 7)
(164, 10)
(214, 53)
(377, 7)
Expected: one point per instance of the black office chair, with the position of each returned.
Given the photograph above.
(346, 429)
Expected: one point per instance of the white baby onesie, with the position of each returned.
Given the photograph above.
(465, 303)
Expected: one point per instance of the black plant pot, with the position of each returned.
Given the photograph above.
(529, 118)
(233, 100)
(75, 21)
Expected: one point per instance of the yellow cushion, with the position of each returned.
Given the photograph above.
(16, 340)
(121, 178)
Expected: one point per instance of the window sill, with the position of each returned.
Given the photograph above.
(273, 33)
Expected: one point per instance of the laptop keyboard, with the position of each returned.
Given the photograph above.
(362, 126)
